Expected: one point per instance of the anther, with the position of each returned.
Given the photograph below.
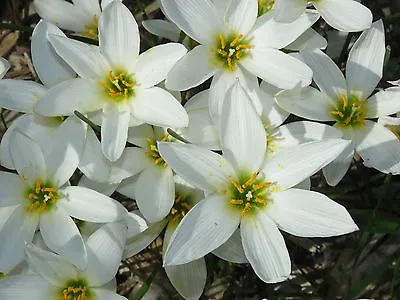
(222, 40)
(250, 180)
(236, 201)
(259, 186)
(236, 40)
(236, 185)
(246, 209)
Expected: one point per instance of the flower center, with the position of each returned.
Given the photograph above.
(91, 29)
(248, 193)
(265, 6)
(349, 111)
(119, 86)
(231, 49)
(41, 197)
(153, 152)
(181, 207)
(76, 290)
(395, 130)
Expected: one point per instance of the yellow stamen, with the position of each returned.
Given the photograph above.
(242, 46)
(261, 185)
(236, 185)
(236, 201)
(38, 185)
(222, 40)
(33, 196)
(230, 66)
(344, 99)
(337, 113)
(246, 209)
(259, 200)
(236, 40)
(222, 52)
(250, 180)
(393, 128)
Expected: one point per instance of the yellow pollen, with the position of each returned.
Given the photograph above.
(242, 46)
(236, 201)
(259, 200)
(264, 184)
(344, 99)
(246, 209)
(337, 113)
(393, 128)
(91, 29)
(222, 40)
(236, 40)
(236, 185)
(222, 52)
(38, 184)
(250, 180)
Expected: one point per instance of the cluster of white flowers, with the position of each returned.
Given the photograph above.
(229, 176)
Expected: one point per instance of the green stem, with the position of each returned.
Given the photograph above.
(177, 136)
(95, 127)
(346, 44)
(16, 27)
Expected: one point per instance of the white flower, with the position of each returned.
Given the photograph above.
(344, 15)
(4, 66)
(57, 135)
(234, 43)
(81, 16)
(57, 279)
(41, 198)
(114, 78)
(240, 190)
(348, 102)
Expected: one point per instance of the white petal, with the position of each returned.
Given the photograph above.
(61, 13)
(28, 158)
(365, 63)
(114, 131)
(326, 73)
(310, 39)
(154, 64)
(64, 150)
(202, 168)
(52, 267)
(155, 192)
(11, 190)
(103, 294)
(280, 34)
(120, 48)
(136, 224)
(158, 107)
(162, 28)
(104, 248)
(104, 188)
(22, 287)
(76, 94)
(335, 171)
(291, 166)
(344, 15)
(207, 226)
(138, 135)
(87, 205)
(188, 279)
(241, 16)
(309, 214)
(16, 230)
(86, 60)
(199, 19)
(265, 248)
(50, 68)
(61, 235)
(384, 103)
(191, 70)
(232, 249)
(242, 132)
(137, 242)
(4, 66)
(301, 132)
(20, 95)
(272, 113)
(88, 7)
(379, 148)
(278, 68)
(287, 11)
(306, 102)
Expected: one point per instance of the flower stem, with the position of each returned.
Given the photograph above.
(95, 127)
(177, 136)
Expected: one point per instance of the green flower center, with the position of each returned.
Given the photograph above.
(76, 290)
(42, 197)
(153, 153)
(92, 29)
(265, 6)
(231, 49)
(181, 207)
(249, 193)
(349, 112)
(119, 86)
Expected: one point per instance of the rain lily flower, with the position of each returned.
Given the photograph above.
(80, 16)
(56, 278)
(234, 43)
(115, 79)
(57, 135)
(344, 15)
(349, 103)
(241, 190)
(41, 198)
(4, 66)
(153, 188)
